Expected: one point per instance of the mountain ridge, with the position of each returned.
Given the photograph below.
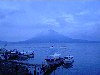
(52, 36)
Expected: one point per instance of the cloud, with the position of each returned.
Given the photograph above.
(85, 12)
(28, 18)
(69, 18)
(97, 12)
(90, 23)
(49, 21)
(62, 20)
(93, 25)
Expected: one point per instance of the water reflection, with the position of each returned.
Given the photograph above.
(53, 69)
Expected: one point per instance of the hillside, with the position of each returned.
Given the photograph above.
(52, 36)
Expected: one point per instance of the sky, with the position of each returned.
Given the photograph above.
(21, 20)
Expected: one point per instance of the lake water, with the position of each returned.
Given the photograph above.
(86, 56)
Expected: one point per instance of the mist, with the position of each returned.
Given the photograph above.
(22, 20)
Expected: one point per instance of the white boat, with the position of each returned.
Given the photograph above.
(68, 59)
(28, 54)
(53, 59)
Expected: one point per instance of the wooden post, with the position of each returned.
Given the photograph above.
(38, 72)
(35, 70)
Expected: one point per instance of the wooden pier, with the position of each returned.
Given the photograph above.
(38, 69)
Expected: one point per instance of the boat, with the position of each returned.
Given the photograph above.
(15, 55)
(28, 54)
(52, 47)
(54, 59)
(68, 59)
(31, 54)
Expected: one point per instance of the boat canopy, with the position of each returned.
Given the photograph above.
(56, 55)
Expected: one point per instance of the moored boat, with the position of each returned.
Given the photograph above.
(68, 60)
(54, 59)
